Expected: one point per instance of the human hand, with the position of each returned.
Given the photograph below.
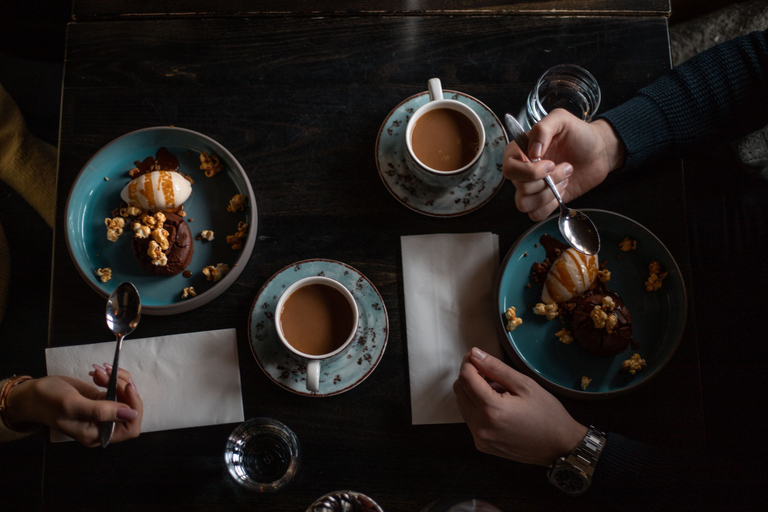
(510, 415)
(577, 155)
(76, 408)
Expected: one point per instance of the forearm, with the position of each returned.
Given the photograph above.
(10, 429)
(716, 96)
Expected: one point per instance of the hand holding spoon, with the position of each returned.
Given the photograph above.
(576, 228)
(123, 315)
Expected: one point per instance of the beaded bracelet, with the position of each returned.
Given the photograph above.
(10, 384)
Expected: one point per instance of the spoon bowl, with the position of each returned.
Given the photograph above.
(577, 229)
(123, 315)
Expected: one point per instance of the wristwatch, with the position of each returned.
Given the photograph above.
(573, 474)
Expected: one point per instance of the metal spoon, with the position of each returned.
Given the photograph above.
(123, 315)
(576, 228)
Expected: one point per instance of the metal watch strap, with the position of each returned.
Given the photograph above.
(587, 453)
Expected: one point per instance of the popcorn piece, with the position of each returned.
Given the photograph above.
(627, 244)
(130, 211)
(598, 316)
(610, 323)
(210, 164)
(140, 230)
(512, 320)
(134, 172)
(158, 256)
(655, 277)
(237, 203)
(548, 310)
(565, 336)
(585, 382)
(212, 273)
(160, 236)
(634, 364)
(206, 235)
(236, 240)
(114, 228)
(188, 292)
(105, 274)
(604, 275)
(608, 303)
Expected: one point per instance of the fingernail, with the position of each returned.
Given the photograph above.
(535, 150)
(108, 367)
(99, 369)
(126, 414)
(567, 170)
(91, 374)
(477, 353)
(133, 384)
(549, 167)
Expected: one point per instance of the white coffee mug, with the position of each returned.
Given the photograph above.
(424, 173)
(314, 361)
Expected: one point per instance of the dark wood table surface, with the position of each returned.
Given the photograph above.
(299, 100)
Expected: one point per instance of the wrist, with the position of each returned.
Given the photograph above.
(12, 401)
(615, 151)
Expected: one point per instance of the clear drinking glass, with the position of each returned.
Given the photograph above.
(565, 86)
(262, 454)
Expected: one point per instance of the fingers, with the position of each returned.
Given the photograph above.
(497, 371)
(540, 205)
(131, 427)
(542, 133)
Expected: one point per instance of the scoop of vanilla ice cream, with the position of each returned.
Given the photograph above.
(570, 275)
(157, 190)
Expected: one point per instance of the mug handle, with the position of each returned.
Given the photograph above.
(435, 89)
(313, 376)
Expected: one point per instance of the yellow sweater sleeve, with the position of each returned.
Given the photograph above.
(27, 164)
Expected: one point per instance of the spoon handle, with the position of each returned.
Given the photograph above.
(107, 428)
(553, 188)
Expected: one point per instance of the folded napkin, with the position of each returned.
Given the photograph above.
(449, 308)
(184, 380)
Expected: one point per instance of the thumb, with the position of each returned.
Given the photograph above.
(498, 371)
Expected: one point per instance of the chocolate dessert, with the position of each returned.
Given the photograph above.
(179, 251)
(602, 324)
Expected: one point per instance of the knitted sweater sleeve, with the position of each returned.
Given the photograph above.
(716, 96)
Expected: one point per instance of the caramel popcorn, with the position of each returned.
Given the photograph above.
(206, 235)
(237, 203)
(212, 273)
(634, 364)
(140, 230)
(187, 292)
(585, 382)
(565, 336)
(627, 244)
(158, 256)
(210, 164)
(160, 236)
(655, 277)
(152, 220)
(236, 240)
(114, 228)
(608, 303)
(598, 316)
(512, 320)
(548, 310)
(604, 275)
(130, 211)
(105, 274)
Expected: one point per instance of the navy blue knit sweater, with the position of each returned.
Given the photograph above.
(715, 97)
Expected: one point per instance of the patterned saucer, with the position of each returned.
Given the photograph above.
(467, 196)
(339, 374)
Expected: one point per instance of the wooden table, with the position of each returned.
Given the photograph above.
(299, 99)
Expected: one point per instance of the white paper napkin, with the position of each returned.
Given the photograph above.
(449, 308)
(184, 380)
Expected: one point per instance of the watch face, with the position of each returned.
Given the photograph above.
(569, 479)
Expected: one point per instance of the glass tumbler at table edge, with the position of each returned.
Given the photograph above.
(262, 454)
(566, 86)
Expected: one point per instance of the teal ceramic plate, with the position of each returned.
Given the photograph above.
(658, 317)
(341, 373)
(467, 196)
(96, 192)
